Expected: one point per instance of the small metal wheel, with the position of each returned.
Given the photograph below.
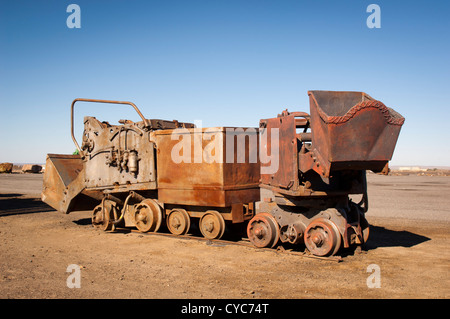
(263, 230)
(147, 216)
(212, 225)
(322, 237)
(103, 214)
(178, 221)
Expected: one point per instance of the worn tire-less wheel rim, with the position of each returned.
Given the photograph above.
(322, 238)
(102, 215)
(178, 222)
(212, 225)
(147, 216)
(263, 230)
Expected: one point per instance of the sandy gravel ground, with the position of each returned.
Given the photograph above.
(409, 246)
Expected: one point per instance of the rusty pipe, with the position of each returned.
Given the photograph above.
(124, 208)
(132, 195)
(304, 137)
(114, 199)
(300, 114)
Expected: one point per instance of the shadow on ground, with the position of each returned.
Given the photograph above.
(14, 204)
(383, 237)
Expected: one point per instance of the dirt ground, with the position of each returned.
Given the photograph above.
(409, 244)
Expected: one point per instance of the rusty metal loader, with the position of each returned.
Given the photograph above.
(325, 155)
(130, 175)
(152, 173)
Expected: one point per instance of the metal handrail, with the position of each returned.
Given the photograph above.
(146, 123)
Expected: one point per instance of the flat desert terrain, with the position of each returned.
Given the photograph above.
(409, 246)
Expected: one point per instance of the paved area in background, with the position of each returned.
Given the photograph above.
(409, 197)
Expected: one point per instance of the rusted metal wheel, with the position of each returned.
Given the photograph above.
(178, 221)
(263, 230)
(103, 214)
(322, 237)
(147, 216)
(212, 225)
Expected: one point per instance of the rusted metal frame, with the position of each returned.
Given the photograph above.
(300, 120)
(356, 227)
(300, 123)
(365, 198)
(358, 107)
(302, 191)
(318, 202)
(198, 214)
(146, 123)
(313, 160)
(124, 188)
(302, 137)
(287, 174)
(210, 187)
(237, 212)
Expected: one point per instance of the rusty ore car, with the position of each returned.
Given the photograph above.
(157, 174)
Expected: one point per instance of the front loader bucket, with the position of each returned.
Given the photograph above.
(351, 130)
(63, 181)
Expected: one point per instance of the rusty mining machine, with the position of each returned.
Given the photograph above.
(128, 176)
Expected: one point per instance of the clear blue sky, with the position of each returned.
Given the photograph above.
(227, 63)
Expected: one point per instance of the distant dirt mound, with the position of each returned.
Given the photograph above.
(30, 168)
(6, 167)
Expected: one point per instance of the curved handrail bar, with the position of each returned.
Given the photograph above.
(100, 101)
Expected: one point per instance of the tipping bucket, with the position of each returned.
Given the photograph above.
(63, 181)
(351, 130)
